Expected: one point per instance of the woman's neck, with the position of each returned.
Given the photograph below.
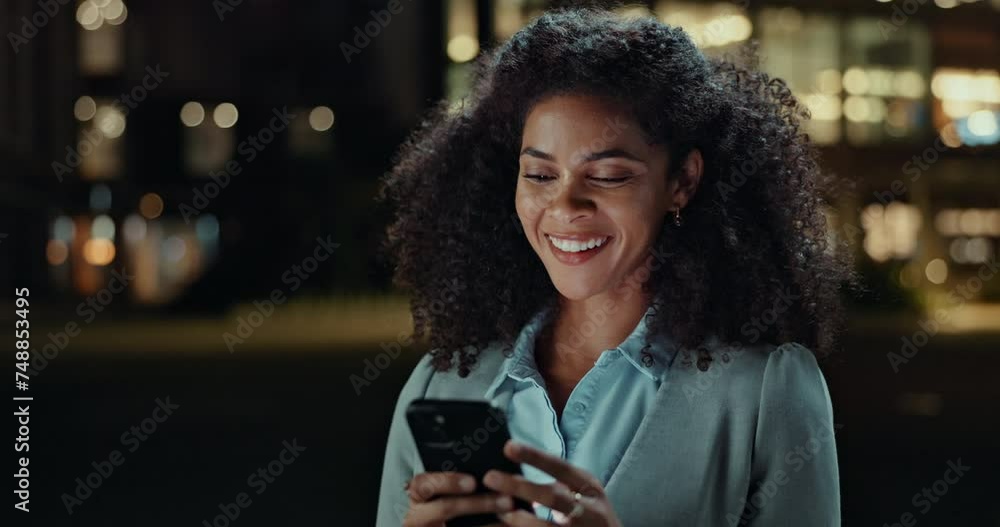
(585, 328)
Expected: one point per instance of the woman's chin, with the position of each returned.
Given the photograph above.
(576, 289)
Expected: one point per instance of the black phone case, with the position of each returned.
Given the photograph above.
(464, 436)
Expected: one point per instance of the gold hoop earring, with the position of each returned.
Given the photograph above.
(677, 218)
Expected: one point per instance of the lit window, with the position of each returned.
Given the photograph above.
(968, 102)
(803, 50)
(463, 30)
(710, 26)
(886, 80)
(462, 46)
(207, 146)
(101, 44)
(509, 16)
(890, 231)
(98, 154)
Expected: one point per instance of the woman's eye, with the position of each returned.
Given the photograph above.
(538, 177)
(611, 179)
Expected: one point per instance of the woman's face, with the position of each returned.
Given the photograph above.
(591, 193)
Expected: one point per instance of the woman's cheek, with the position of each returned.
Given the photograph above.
(524, 218)
(527, 207)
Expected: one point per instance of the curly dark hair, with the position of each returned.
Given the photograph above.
(754, 234)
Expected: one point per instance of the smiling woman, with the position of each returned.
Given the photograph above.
(575, 205)
(613, 143)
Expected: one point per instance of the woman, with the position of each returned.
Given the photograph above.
(620, 243)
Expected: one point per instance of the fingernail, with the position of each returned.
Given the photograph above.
(504, 503)
(490, 478)
(467, 484)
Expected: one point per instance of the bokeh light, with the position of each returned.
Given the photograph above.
(225, 115)
(151, 206)
(192, 114)
(321, 118)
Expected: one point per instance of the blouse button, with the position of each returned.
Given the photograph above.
(647, 359)
(579, 407)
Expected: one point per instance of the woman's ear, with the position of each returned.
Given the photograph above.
(688, 177)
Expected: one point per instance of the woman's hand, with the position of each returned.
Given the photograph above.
(590, 508)
(439, 496)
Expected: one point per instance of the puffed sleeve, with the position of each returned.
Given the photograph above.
(401, 456)
(795, 480)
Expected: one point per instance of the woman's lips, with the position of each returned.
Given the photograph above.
(577, 248)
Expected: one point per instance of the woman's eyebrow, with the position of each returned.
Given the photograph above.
(614, 152)
(593, 156)
(528, 151)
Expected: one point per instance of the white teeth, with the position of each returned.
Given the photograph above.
(573, 246)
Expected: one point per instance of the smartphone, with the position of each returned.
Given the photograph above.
(463, 436)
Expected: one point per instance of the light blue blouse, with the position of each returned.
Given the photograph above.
(748, 443)
(602, 413)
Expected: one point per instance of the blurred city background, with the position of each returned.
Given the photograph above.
(188, 191)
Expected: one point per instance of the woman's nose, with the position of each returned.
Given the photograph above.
(570, 202)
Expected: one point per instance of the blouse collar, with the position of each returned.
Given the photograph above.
(652, 359)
